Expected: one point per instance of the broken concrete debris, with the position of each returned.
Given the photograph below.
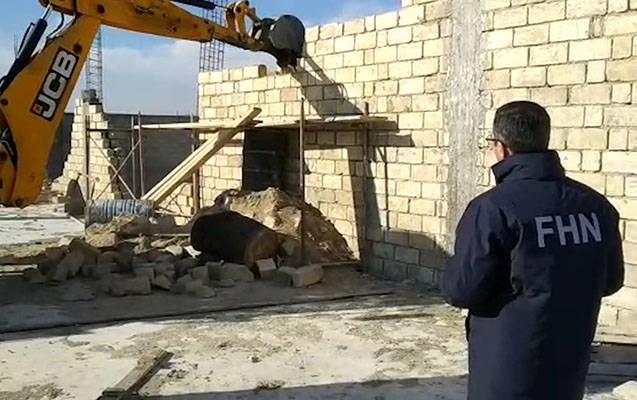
(299, 277)
(626, 391)
(162, 282)
(33, 275)
(230, 271)
(266, 269)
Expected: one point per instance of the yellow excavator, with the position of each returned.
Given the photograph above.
(37, 88)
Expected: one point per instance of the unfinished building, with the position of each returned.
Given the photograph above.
(435, 71)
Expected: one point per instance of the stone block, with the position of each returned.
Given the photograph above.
(72, 262)
(267, 268)
(622, 70)
(162, 282)
(107, 257)
(200, 273)
(620, 24)
(591, 94)
(531, 35)
(99, 271)
(549, 11)
(138, 286)
(284, 276)
(146, 270)
(592, 49)
(307, 276)
(528, 77)
(226, 283)
(181, 285)
(184, 265)
(510, 17)
(33, 275)
(549, 54)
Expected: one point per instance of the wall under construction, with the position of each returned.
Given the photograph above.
(439, 69)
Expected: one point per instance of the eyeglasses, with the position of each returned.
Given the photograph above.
(494, 141)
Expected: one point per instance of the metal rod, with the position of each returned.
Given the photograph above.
(121, 167)
(87, 150)
(302, 176)
(133, 146)
(196, 177)
(116, 170)
(363, 253)
(142, 173)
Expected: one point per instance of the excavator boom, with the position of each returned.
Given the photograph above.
(37, 88)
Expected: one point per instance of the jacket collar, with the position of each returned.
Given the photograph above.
(538, 166)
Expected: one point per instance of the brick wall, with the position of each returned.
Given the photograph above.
(578, 58)
(438, 70)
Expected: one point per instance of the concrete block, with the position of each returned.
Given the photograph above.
(307, 276)
(200, 273)
(107, 257)
(165, 269)
(162, 282)
(135, 286)
(181, 285)
(284, 276)
(33, 275)
(99, 271)
(550, 11)
(266, 268)
(236, 272)
(184, 265)
(103, 240)
(72, 262)
(146, 270)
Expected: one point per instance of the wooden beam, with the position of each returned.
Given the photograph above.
(190, 165)
(146, 368)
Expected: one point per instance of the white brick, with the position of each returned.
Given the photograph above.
(550, 96)
(567, 74)
(624, 70)
(399, 35)
(344, 43)
(588, 138)
(622, 93)
(621, 116)
(530, 35)
(570, 30)
(591, 94)
(387, 20)
(619, 161)
(593, 49)
(549, 11)
(410, 51)
(412, 86)
(510, 58)
(411, 15)
(567, 116)
(498, 39)
(620, 24)
(580, 8)
(596, 71)
(528, 77)
(549, 54)
(510, 17)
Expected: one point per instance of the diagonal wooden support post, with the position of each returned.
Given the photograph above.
(190, 165)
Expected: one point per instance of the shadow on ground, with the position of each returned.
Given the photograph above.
(439, 388)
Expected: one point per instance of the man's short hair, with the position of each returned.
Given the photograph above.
(523, 126)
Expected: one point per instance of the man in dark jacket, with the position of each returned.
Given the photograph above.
(533, 258)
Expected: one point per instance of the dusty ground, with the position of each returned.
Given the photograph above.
(36, 222)
(400, 346)
(387, 347)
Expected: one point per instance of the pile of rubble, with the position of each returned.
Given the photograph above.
(281, 213)
(129, 256)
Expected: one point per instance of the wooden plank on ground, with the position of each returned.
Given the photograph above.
(190, 165)
(146, 368)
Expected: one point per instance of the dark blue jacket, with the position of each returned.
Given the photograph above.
(533, 258)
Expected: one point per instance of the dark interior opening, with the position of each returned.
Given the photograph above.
(264, 160)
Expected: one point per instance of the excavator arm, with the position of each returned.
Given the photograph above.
(38, 87)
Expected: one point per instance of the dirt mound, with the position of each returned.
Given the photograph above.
(282, 213)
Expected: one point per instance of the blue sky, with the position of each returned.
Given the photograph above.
(158, 75)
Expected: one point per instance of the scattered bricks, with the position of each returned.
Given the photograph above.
(102, 240)
(307, 276)
(284, 276)
(162, 282)
(266, 268)
(191, 287)
(77, 291)
(146, 270)
(33, 275)
(138, 286)
(107, 257)
(58, 274)
(166, 269)
(73, 262)
(204, 292)
(124, 260)
(180, 286)
(183, 266)
(200, 273)
(101, 270)
(215, 270)
(236, 272)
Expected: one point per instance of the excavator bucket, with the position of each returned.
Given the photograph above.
(285, 38)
